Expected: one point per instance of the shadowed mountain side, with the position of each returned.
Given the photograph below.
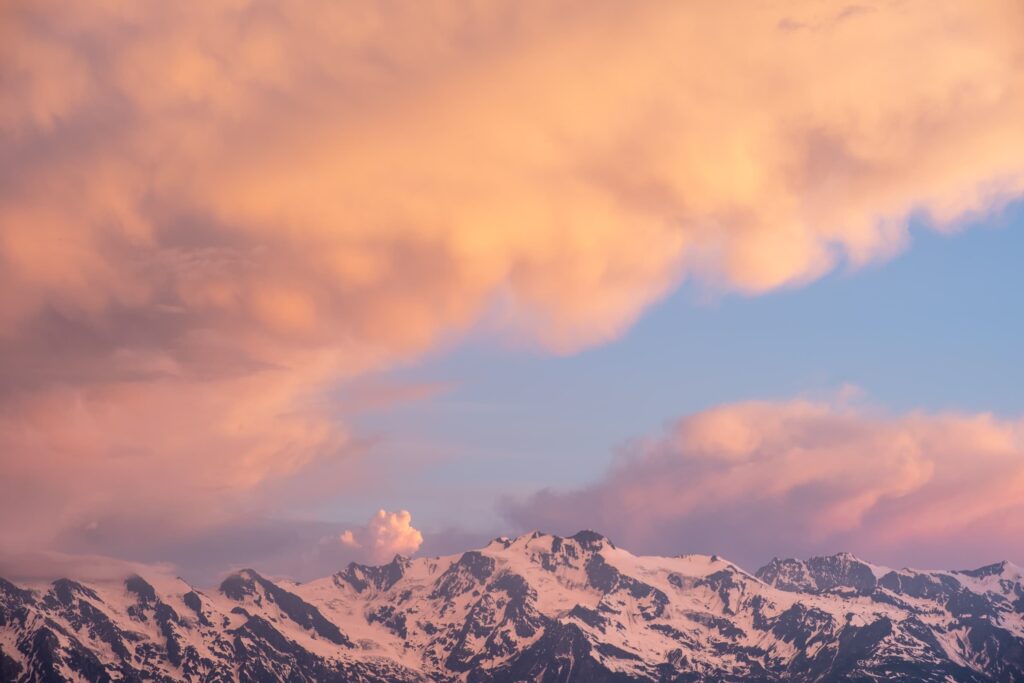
(537, 607)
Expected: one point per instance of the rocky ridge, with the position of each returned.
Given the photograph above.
(538, 607)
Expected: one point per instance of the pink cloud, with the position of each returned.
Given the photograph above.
(386, 534)
(747, 479)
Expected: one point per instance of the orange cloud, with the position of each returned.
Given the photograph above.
(387, 534)
(801, 476)
(211, 213)
(279, 167)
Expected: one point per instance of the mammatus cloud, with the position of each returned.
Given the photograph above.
(797, 477)
(212, 213)
(387, 534)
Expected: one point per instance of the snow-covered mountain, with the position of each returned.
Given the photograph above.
(533, 608)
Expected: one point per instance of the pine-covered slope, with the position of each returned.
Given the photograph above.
(533, 608)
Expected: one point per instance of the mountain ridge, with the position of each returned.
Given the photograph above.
(533, 607)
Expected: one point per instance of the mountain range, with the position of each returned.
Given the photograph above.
(538, 607)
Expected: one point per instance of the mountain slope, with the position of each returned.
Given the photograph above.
(538, 608)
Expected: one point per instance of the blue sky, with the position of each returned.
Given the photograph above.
(936, 328)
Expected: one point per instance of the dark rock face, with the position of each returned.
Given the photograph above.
(467, 574)
(535, 608)
(591, 618)
(141, 588)
(248, 583)
(195, 603)
(921, 586)
(10, 670)
(64, 593)
(601, 575)
(725, 583)
(561, 655)
(988, 570)
(14, 604)
(361, 576)
(591, 540)
(391, 618)
(820, 574)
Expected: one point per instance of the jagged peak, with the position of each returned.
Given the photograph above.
(69, 584)
(842, 570)
(398, 560)
(247, 574)
(499, 542)
(520, 602)
(528, 538)
(240, 583)
(65, 592)
(1001, 568)
(843, 557)
(585, 538)
(65, 589)
(589, 538)
(142, 589)
(16, 592)
(382, 577)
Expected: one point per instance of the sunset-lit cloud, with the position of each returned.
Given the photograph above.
(748, 479)
(386, 534)
(211, 214)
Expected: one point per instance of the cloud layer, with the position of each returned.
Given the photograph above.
(750, 479)
(212, 213)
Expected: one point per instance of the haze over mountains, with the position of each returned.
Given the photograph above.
(538, 607)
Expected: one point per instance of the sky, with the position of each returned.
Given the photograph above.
(292, 286)
(931, 329)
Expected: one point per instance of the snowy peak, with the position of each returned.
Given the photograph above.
(591, 540)
(538, 543)
(547, 551)
(265, 598)
(466, 574)
(362, 577)
(535, 607)
(842, 571)
(1002, 569)
(141, 588)
(242, 584)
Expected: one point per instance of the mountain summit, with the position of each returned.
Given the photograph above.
(534, 608)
